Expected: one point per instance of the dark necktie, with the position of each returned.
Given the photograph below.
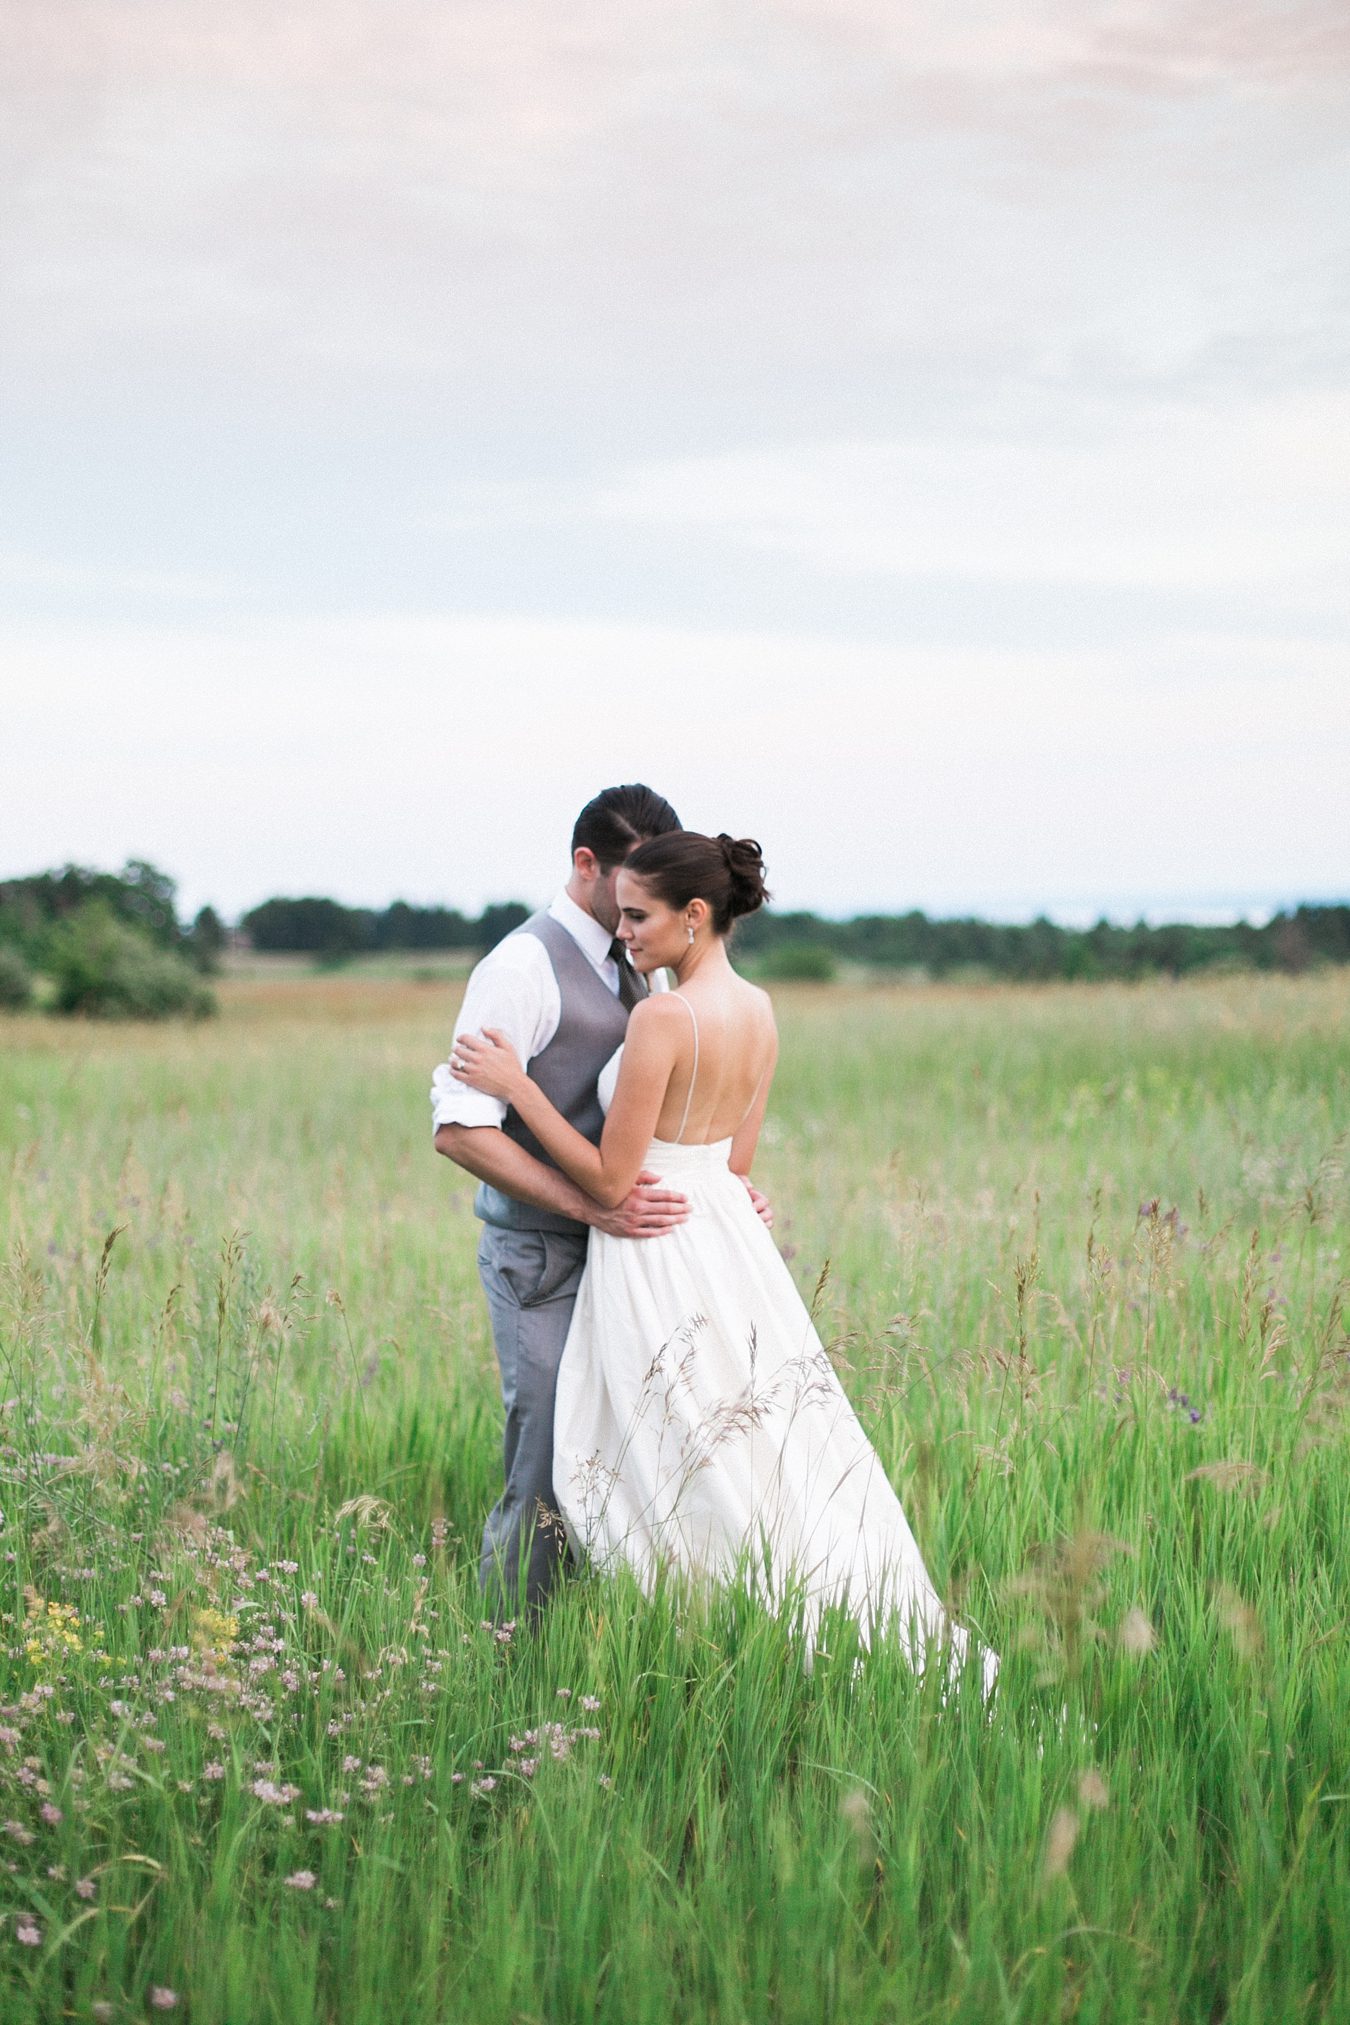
(631, 987)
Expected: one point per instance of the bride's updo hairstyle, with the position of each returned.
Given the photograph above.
(727, 872)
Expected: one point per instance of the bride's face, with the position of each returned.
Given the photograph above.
(654, 934)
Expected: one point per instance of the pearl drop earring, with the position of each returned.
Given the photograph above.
(691, 931)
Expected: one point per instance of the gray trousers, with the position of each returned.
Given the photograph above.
(530, 1278)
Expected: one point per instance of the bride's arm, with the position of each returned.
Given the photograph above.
(606, 1172)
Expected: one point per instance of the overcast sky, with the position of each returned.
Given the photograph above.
(917, 437)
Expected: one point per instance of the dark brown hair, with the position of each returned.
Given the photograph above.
(620, 817)
(727, 872)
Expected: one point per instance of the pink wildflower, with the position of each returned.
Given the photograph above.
(274, 1795)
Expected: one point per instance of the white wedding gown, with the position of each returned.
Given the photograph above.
(700, 1426)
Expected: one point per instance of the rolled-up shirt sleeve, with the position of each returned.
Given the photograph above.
(514, 990)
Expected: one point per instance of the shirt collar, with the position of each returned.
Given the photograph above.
(590, 936)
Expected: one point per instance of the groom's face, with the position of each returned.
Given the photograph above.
(604, 906)
(604, 903)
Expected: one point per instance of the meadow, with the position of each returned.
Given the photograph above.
(1080, 1256)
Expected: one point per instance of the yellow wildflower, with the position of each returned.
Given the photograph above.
(214, 1633)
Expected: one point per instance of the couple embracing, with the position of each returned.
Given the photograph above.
(669, 1404)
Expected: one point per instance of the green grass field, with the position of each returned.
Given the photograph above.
(259, 1757)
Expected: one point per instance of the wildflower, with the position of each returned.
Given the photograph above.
(564, 1694)
(487, 1784)
(309, 1599)
(272, 1794)
(215, 1770)
(50, 1813)
(590, 1701)
(301, 1880)
(322, 1817)
(86, 1888)
(214, 1633)
(162, 1999)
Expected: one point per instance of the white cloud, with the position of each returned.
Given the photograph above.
(1167, 497)
(321, 308)
(903, 190)
(28, 572)
(444, 757)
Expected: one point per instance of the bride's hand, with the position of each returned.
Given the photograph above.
(487, 1062)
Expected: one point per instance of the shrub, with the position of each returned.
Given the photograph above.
(103, 967)
(206, 939)
(16, 980)
(798, 963)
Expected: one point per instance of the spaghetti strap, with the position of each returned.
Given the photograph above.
(754, 1096)
(693, 1074)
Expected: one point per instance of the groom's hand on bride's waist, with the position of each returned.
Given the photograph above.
(646, 1211)
(763, 1208)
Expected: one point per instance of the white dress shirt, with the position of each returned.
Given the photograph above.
(513, 988)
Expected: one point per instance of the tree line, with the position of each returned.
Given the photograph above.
(806, 944)
(327, 928)
(113, 942)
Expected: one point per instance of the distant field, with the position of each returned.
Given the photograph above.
(1087, 1282)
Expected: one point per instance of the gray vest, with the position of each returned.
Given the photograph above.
(591, 1027)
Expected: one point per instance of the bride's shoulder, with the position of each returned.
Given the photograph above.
(658, 1010)
(757, 997)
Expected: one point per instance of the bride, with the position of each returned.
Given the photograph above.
(699, 1424)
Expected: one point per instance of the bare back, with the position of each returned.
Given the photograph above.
(722, 1063)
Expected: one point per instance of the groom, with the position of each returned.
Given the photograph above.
(561, 989)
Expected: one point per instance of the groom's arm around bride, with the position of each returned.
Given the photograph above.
(560, 990)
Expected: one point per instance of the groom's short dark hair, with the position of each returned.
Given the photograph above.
(620, 817)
